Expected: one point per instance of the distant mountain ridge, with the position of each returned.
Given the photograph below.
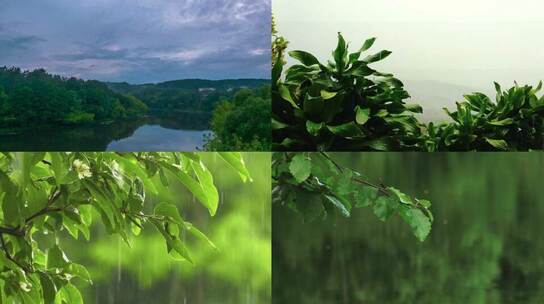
(187, 94)
(195, 84)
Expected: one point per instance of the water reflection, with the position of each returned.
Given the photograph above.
(485, 246)
(176, 132)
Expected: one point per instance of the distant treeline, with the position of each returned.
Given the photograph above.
(188, 94)
(29, 98)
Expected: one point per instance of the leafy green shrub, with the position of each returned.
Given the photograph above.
(341, 105)
(314, 185)
(79, 118)
(346, 105)
(45, 194)
(515, 122)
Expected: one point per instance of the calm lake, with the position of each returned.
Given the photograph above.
(184, 132)
(485, 246)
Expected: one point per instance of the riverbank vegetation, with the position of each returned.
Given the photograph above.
(46, 198)
(31, 98)
(187, 95)
(345, 104)
(242, 123)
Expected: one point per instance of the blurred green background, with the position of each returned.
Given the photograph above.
(239, 273)
(486, 243)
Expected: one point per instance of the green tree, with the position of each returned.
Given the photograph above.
(4, 102)
(243, 123)
(43, 195)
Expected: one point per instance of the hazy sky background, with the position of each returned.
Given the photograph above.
(462, 45)
(138, 40)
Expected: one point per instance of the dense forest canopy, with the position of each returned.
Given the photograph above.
(38, 97)
(42, 98)
(242, 123)
(188, 94)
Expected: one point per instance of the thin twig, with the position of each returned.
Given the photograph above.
(332, 161)
(381, 189)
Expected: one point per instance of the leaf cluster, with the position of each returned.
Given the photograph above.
(341, 105)
(514, 122)
(347, 105)
(314, 185)
(45, 194)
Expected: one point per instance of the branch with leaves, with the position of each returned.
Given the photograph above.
(45, 194)
(316, 186)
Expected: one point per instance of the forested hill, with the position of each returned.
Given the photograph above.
(31, 98)
(195, 84)
(188, 94)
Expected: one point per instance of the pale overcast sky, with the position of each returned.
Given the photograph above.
(467, 43)
(138, 40)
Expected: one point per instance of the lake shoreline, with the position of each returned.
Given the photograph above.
(151, 132)
(153, 113)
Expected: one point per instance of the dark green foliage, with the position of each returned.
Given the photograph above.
(36, 98)
(346, 105)
(188, 95)
(44, 195)
(515, 122)
(242, 123)
(314, 185)
(341, 105)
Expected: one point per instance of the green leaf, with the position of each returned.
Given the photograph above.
(49, 290)
(286, 95)
(366, 197)
(81, 272)
(328, 95)
(503, 122)
(56, 258)
(340, 53)
(338, 205)
(59, 165)
(170, 211)
(348, 130)
(385, 207)
(300, 167)
(368, 44)
(403, 198)
(205, 179)
(314, 128)
(277, 125)
(498, 143)
(377, 57)
(424, 203)
(414, 108)
(236, 161)
(305, 58)
(196, 189)
(22, 165)
(362, 115)
(421, 225)
(71, 294)
(199, 235)
(132, 167)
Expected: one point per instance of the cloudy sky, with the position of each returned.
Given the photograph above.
(465, 43)
(138, 40)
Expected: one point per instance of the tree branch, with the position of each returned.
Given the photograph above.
(8, 255)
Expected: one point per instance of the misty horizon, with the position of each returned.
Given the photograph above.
(463, 43)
